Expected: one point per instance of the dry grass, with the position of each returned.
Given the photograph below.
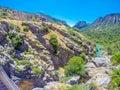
(26, 85)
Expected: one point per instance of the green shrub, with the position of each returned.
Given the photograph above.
(54, 42)
(10, 34)
(37, 71)
(64, 79)
(56, 73)
(115, 83)
(44, 29)
(0, 52)
(75, 66)
(116, 59)
(19, 69)
(28, 52)
(79, 87)
(26, 28)
(38, 42)
(36, 19)
(17, 41)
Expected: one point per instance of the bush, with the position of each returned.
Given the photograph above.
(26, 28)
(79, 87)
(17, 41)
(19, 69)
(116, 59)
(10, 34)
(37, 71)
(54, 42)
(115, 83)
(75, 66)
(56, 73)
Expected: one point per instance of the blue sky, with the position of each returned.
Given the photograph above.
(70, 10)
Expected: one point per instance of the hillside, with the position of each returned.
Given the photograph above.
(106, 31)
(34, 51)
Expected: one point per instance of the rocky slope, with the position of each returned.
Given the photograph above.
(26, 53)
(14, 14)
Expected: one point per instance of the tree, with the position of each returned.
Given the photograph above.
(115, 83)
(75, 66)
(54, 42)
(116, 59)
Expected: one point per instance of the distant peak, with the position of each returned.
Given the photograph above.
(81, 24)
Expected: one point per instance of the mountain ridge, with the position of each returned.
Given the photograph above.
(38, 16)
(109, 19)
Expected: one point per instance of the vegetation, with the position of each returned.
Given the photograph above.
(116, 59)
(43, 29)
(109, 37)
(54, 42)
(75, 66)
(36, 19)
(28, 52)
(64, 79)
(26, 28)
(115, 83)
(80, 87)
(70, 31)
(56, 73)
(19, 69)
(37, 71)
(24, 62)
(17, 41)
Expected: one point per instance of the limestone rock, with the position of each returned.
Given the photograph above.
(73, 80)
(101, 62)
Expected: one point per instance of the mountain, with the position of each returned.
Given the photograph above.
(100, 23)
(106, 31)
(14, 14)
(110, 19)
(35, 51)
(80, 24)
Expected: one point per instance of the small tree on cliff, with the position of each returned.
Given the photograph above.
(54, 42)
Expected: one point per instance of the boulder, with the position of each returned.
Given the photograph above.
(90, 65)
(1, 49)
(73, 80)
(101, 62)
(37, 89)
(101, 80)
(52, 86)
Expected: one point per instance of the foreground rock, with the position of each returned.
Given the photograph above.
(100, 80)
(73, 80)
(101, 62)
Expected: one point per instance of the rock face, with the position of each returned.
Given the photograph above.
(101, 62)
(4, 28)
(73, 80)
(107, 20)
(101, 80)
(99, 71)
(81, 24)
